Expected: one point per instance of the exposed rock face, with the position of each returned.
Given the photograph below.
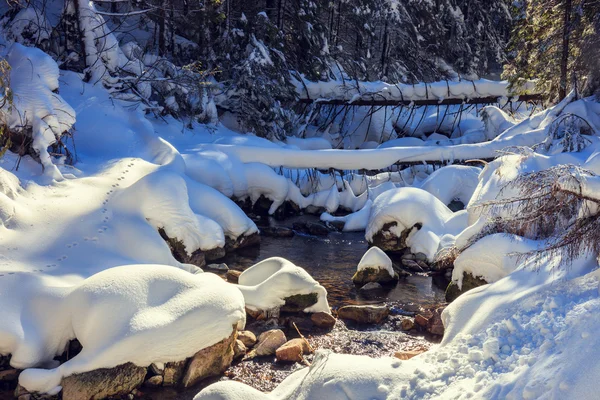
(299, 302)
(323, 320)
(378, 275)
(269, 342)
(364, 314)
(407, 324)
(210, 361)
(173, 372)
(387, 240)
(469, 282)
(103, 383)
(179, 252)
(247, 337)
(293, 350)
(242, 241)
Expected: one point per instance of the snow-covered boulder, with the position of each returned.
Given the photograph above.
(276, 283)
(409, 218)
(141, 314)
(374, 266)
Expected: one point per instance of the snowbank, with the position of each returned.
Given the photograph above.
(266, 285)
(453, 182)
(164, 314)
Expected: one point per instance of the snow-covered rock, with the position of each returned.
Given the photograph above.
(268, 284)
(164, 314)
(408, 217)
(374, 266)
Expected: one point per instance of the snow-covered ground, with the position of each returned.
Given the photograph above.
(77, 240)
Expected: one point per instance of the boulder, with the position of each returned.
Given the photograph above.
(422, 319)
(242, 241)
(103, 383)
(247, 338)
(9, 375)
(364, 314)
(336, 225)
(179, 252)
(210, 361)
(269, 342)
(379, 275)
(412, 265)
(293, 350)
(323, 320)
(469, 282)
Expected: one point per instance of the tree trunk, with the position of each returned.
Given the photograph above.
(564, 62)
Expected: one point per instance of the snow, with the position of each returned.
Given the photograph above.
(352, 91)
(33, 78)
(376, 258)
(408, 207)
(453, 182)
(266, 285)
(165, 314)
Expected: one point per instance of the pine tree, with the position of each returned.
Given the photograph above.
(548, 45)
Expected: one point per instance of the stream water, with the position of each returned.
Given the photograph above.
(332, 261)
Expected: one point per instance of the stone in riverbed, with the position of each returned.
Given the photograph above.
(317, 229)
(154, 381)
(9, 375)
(218, 267)
(412, 265)
(407, 324)
(408, 354)
(323, 320)
(293, 351)
(103, 383)
(268, 343)
(210, 361)
(247, 337)
(371, 286)
(277, 231)
(233, 276)
(239, 349)
(364, 314)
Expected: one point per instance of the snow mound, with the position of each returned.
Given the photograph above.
(376, 258)
(453, 182)
(492, 257)
(265, 285)
(33, 81)
(330, 376)
(161, 198)
(136, 313)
